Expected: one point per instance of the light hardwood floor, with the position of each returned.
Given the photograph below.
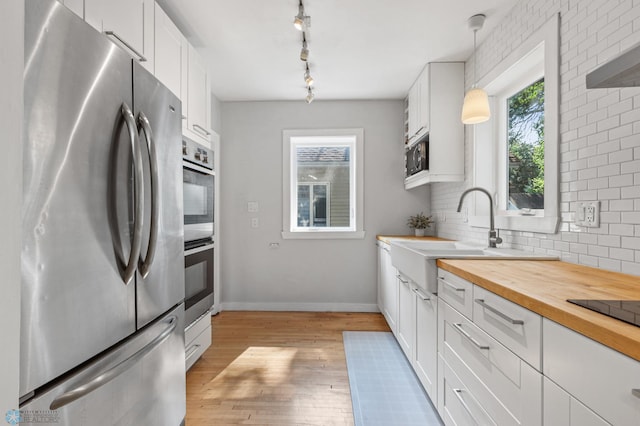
(275, 368)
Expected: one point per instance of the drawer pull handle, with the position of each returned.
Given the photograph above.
(479, 345)
(635, 392)
(458, 394)
(192, 350)
(451, 286)
(505, 317)
(401, 280)
(421, 295)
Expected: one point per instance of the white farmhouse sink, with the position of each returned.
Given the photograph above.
(417, 259)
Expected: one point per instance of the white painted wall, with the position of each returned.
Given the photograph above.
(306, 274)
(12, 59)
(599, 134)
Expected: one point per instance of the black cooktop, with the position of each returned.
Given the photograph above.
(623, 310)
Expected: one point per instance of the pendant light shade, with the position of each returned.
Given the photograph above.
(476, 107)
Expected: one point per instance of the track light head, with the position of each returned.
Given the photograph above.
(304, 53)
(307, 77)
(300, 21)
(310, 95)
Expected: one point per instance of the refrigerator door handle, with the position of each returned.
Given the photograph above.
(145, 264)
(138, 201)
(105, 377)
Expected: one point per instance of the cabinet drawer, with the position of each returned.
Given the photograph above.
(196, 328)
(196, 348)
(459, 406)
(508, 389)
(599, 377)
(456, 291)
(560, 408)
(512, 325)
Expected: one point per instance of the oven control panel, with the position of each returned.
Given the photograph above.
(198, 154)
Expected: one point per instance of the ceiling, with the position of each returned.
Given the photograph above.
(360, 49)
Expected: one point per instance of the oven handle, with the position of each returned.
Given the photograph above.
(199, 249)
(197, 168)
(145, 265)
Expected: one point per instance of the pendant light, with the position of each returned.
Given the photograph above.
(476, 102)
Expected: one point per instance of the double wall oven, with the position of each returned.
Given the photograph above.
(199, 217)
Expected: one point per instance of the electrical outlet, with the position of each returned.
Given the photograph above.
(588, 214)
(254, 222)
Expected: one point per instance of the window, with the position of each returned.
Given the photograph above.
(516, 152)
(322, 184)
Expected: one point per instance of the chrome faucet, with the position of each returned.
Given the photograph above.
(493, 235)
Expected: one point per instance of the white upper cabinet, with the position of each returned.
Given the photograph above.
(170, 47)
(128, 23)
(198, 100)
(418, 104)
(434, 104)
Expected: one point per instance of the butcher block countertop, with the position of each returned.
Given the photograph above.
(544, 286)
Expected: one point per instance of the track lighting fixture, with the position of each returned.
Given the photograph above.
(300, 21)
(310, 95)
(307, 77)
(304, 53)
(476, 102)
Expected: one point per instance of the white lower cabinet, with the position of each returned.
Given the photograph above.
(508, 390)
(604, 380)
(562, 409)
(387, 286)
(197, 338)
(406, 334)
(426, 353)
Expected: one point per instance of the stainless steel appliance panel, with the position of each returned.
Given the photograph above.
(199, 280)
(160, 282)
(140, 382)
(75, 303)
(198, 201)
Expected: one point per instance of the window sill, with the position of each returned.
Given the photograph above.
(320, 235)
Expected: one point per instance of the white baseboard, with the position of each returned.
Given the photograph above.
(300, 307)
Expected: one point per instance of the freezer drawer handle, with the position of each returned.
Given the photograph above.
(458, 326)
(104, 378)
(145, 264)
(505, 317)
(112, 34)
(128, 271)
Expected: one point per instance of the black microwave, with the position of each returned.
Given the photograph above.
(416, 157)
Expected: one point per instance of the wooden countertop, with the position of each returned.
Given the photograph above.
(544, 286)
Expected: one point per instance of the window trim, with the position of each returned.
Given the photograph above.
(356, 173)
(485, 151)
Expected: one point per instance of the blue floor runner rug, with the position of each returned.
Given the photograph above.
(384, 389)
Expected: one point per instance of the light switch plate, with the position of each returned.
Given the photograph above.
(588, 214)
(252, 207)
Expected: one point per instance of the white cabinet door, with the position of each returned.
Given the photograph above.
(560, 408)
(406, 317)
(413, 105)
(169, 45)
(128, 23)
(426, 364)
(198, 98)
(389, 288)
(424, 98)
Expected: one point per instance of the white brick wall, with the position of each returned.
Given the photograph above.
(599, 134)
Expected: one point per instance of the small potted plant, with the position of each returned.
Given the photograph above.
(419, 223)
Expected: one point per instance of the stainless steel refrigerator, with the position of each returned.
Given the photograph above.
(102, 339)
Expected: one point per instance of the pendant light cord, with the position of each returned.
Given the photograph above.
(475, 58)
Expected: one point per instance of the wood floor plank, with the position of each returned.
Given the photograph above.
(275, 368)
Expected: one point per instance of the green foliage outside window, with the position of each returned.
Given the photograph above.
(526, 147)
